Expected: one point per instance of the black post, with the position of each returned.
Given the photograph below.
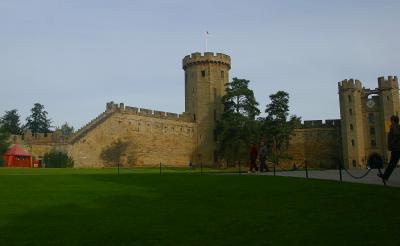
(160, 168)
(340, 172)
(274, 167)
(201, 168)
(383, 180)
(118, 168)
(305, 163)
(240, 171)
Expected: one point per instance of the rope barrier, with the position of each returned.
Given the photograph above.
(358, 177)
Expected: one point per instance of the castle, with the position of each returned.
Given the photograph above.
(176, 139)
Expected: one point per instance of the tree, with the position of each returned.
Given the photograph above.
(10, 122)
(276, 127)
(4, 143)
(237, 127)
(38, 122)
(66, 130)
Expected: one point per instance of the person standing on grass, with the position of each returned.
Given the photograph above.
(263, 157)
(253, 157)
(393, 146)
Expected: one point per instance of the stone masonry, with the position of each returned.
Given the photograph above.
(176, 139)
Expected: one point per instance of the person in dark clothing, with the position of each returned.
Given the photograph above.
(253, 158)
(393, 146)
(263, 157)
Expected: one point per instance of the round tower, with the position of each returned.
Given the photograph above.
(205, 78)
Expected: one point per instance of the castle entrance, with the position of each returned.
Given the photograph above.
(375, 161)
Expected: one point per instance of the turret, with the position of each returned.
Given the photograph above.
(351, 114)
(205, 78)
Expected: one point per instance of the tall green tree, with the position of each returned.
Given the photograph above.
(237, 127)
(38, 122)
(278, 125)
(66, 130)
(4, 143)
(10, 122)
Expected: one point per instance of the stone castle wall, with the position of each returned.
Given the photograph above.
(317, 142)
(152, 137)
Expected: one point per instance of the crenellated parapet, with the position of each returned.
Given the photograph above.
(114, 107)
(350, 84)
(207, 57)
(334, 123)
(391, 82)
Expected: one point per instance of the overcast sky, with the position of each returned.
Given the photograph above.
(73, 56)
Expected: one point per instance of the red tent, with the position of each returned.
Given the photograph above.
(16, 156)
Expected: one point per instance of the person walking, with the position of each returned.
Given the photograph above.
(263, 157)
(253, 157)
(393, 146)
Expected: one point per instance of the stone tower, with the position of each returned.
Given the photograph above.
(205, 79)
(351, 115)
(389, 103)
(365, 117)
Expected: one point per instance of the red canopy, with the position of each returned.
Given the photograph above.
(16, 150)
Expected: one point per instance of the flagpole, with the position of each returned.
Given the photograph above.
(206, 41)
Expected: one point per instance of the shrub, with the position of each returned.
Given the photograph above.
(58, 159)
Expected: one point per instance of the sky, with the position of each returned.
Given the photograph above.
(74, 56)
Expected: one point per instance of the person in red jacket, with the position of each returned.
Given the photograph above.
(393, 146)
(253, 157)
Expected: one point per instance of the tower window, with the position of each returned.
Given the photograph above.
(354, 163)
(349, 98)
(372, 131)
(352, 142)
(371, 118)
(215, 94)
(194, 117)
(350, 111)
(222, 74)
(351, 127)
(387, 98)
(203, 73)
(373, 143)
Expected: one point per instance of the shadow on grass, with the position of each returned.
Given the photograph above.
(211, 210)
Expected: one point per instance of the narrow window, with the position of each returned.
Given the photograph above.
(222, 74)
(203, 73)
(372, 131)
(215, 94)
(387, 98)
(352, 142)
(371, 118)
(351, 127)
(194, 117)
(373, 143)
(349, 98)
(354, 163)
(350, 111)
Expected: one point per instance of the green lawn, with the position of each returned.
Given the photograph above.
(96, 207)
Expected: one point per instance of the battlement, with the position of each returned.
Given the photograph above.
(390, 83)
(320, 124)
(207, 57)
(39, 138)
(111, 106)
(349, 84)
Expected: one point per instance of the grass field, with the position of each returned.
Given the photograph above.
(96, 207)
